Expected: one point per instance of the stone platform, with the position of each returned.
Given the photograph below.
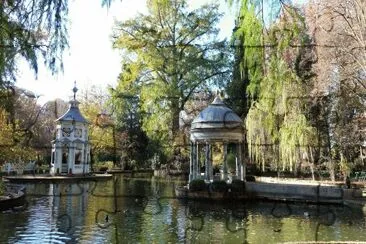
(311, 192)
(58, 178)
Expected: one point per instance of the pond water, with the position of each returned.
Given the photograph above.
(144, 210)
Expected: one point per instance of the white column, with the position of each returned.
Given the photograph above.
(194, 166)
(243, 163)
(87, 158)
(198, 162)
(239, 161)
(71, 158)
(207, 155)
(224, 169)
(83, 156)
(58, 157)
(191, 163)
(208, 165)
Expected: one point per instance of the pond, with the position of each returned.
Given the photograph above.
(144, 210)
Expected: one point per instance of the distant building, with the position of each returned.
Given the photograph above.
(71, 148)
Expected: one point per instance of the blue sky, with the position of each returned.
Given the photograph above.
(90, 60)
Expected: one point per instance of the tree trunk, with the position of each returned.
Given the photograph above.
(175, 118)
(311, 164)
(331, 170)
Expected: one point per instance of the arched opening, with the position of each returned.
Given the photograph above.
(65, 157)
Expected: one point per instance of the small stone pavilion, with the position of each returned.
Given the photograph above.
(71, 148)
(216, 126)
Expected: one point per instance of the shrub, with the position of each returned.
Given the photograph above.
(237, 186)
(2, 187)
(103, 166)
(197, 185)
(231, 162)
(218, 186)
(103, 169)
(250, 178)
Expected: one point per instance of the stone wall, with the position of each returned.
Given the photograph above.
(294, 192)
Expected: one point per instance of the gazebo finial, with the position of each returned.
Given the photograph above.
(75, 90)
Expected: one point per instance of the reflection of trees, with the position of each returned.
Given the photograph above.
(132, 210)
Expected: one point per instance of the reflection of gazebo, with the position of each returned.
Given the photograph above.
(216, 125)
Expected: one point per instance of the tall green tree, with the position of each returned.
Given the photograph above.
(248, 65)
(170, 54)
(136, 147)
(271, 68)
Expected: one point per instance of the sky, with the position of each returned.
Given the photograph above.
(90, 59)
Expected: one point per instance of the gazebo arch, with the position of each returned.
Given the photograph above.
(216, 124)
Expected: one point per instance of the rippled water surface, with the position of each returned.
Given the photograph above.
(144, 210)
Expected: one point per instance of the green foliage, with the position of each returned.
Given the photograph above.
(303, 99)
(250, 178)
(33, 29)
(231, 162)
(218, 186)
(2, 187)
(12, 144)
(296, 136)
(169, 54)
(103, 166)
(250, 34)
(197, 185)
(101, 129)
(247, 70)
(278, 130)
(345, 166)
(30, 29)
(279, 120)
(135, 144)
(237, 186)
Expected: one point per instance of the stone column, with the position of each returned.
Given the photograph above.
(238, 161)
(224, 168)
(84, 158)
(191, 163)
(208, 162)
(244, 164)
(194, 161)
(71, 158)
(240, 156)
(87, 158)
(197, 166)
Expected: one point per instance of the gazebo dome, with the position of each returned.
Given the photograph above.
(217, 122)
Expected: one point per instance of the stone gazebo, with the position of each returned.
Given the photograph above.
(71, 148)
(215, 126)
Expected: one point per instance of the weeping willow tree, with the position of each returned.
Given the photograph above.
(279, 134)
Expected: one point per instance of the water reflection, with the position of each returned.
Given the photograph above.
(145, 210)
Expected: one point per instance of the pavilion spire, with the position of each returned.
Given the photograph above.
(75, 90)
